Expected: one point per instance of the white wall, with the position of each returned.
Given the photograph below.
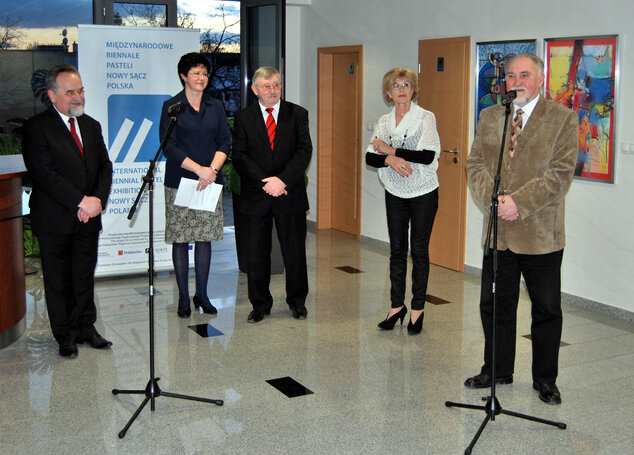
(599, 255)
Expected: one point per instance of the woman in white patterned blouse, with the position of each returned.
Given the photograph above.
(405, 150)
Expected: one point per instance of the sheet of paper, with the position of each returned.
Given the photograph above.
(207, 199)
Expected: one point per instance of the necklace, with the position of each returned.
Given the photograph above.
(402, 144)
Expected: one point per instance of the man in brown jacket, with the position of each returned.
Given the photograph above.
(535, 178)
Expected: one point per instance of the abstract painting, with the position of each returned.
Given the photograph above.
(581, 75)
(491, 76)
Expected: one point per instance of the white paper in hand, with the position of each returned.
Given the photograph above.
(207, 199)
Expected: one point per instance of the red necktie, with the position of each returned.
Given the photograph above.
(516, 130)
(270, 126)
(73, 133)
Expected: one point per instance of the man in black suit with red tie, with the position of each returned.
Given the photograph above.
(271, 152)
(68, 163)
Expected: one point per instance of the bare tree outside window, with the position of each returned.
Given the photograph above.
(10, 34)
(222, 39)
(222, 47)
(185, 19)
(144, 15)
(140, 15)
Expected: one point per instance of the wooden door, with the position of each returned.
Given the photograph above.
(339, 157)
(443, 80)
(345, 143)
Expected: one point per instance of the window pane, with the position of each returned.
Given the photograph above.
(262, 33)
(37, 35)
(261, 46)
(219, 24)
(140, 15)
(39, 23)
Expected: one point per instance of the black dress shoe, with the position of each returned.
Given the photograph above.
(389, 322)
(183, 310)
(300, 312)
(257, 315)
(417, 327)
(482, 381)
(95, 340)
(206, 306)
(548, 393)
(67, 348)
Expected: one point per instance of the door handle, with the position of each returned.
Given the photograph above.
(455, 154)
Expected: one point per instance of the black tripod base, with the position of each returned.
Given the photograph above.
(493, 408)
(152, 390)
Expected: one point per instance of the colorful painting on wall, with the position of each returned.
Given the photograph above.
(491, 76)
(581, 75)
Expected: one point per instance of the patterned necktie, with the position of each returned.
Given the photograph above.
(270, 126)
(516, 130)
(73, 133)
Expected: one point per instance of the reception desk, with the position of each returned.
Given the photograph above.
(12, 284)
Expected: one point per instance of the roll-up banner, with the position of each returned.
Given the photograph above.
(128, 72)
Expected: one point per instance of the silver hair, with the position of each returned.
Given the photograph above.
(539, 63)
(265, 72)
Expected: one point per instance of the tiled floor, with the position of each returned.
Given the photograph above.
(373, 391)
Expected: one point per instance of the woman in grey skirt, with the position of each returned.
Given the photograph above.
(196, 149)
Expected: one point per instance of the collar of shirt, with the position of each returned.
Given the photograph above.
(528, 110)
(65, 118)
(276, 111)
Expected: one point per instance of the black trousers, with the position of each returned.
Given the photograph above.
(419, 212)
(542, 274)
(68, 267)
(291, 232)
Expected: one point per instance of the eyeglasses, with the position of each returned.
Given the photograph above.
(269, 87)
(404, 85)
(197, 74)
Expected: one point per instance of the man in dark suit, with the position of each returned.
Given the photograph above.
(539, 160)
(68, 163)
(271, 151)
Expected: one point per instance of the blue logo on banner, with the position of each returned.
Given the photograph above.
(133, 127)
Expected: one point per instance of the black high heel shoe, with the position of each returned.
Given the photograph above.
(207, 307)
(417, 327)
(183, 312)
(388, 323)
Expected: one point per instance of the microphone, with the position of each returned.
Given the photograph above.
(509, 97)
(177, 108)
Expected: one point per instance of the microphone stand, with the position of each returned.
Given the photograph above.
(492, 406)
(152, 389)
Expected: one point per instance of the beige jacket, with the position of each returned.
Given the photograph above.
(537, 178)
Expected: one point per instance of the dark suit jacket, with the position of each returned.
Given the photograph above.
(61, 176)
(254, 160)
(538, 177)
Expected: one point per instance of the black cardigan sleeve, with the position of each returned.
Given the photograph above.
(415, 156)
(374, 159)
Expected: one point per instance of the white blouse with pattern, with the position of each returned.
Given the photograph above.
(416, 131)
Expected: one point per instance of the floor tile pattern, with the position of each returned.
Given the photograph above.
(373, 391)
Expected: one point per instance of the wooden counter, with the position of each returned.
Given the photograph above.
(12, 284)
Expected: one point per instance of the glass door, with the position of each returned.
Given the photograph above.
(262, 40)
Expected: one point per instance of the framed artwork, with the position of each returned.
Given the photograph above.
(581, 74)
(491, 57)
